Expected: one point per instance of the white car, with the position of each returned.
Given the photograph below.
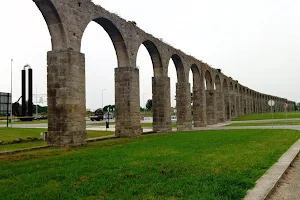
(173, 118)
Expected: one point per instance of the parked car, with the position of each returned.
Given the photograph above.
(97, 116)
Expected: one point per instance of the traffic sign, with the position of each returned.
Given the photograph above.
(271, 102)
(285, 105)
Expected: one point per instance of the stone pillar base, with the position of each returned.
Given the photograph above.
(210, 107)
(183, 107)
(220, 111)
(127, 100)
(66, 98)
(161, 104)
(199, 112)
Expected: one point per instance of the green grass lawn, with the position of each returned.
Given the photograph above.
(275, 123)
(27, 122)
(8, 134)
(261, 116)
(181, 165)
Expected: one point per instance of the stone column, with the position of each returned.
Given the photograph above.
(127, 100)
(183, 106)
(161, 104)
(233, 104)
(220, 115)
(245, 110)
(199, 105)
(211, 107)
(66, 98)
(242, 105)
(251, 104)
(259, 105)
(227, 106)
(238, 105)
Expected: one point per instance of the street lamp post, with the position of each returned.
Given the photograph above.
(102, 98)
(36, 101)
(11, 64)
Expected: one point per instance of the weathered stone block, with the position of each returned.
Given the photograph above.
(127, 101)
(66, 98)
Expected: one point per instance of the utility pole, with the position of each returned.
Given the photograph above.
(11, 104)
(36, 101)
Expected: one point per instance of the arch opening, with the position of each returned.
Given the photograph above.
(100, 62)
(179, 68)
(208, 81)
(197, 109)
(116, 39)
(147, 61)
(217, 83)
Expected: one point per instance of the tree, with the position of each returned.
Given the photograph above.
(297, 106)
(111, 108)
(98, 111)
(149, 104)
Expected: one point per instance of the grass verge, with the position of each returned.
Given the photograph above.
(182, 165)
(275, 123)
(262, 116)
(9, 134)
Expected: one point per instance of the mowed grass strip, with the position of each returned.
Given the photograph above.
(275, 123)
(261, 116)
(221, 164)
(9, 134)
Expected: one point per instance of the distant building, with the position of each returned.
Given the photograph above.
(5, 103)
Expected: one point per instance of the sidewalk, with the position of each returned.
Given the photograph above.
(288, 187)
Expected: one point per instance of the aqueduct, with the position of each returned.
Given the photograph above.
(216, 97)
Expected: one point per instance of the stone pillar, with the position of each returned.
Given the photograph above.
(183, 106)
(251, 104)
(260, 105)
(199, 105)
(227, 106)
(161, 104)
(66, 98)
(220, 115)
(238, 105)
(233, 104)
(245, 111)
(211, 107)
(242, 105)
(127, 100)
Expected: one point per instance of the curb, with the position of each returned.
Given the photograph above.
(267, 182)
(9, 152)
(2, 153)
(102, 138)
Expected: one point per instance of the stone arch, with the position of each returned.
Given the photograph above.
(54, 23)
(210, 99)
(227, 101)
(225, 85)
(196, 74)
(117, 40)
(218, 83)
(183, 96)
(231, 88)
(160, 89)
(198, 109)
(181, 77)
(208, 81)
(155, 57)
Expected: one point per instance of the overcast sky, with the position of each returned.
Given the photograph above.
(256, 42)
